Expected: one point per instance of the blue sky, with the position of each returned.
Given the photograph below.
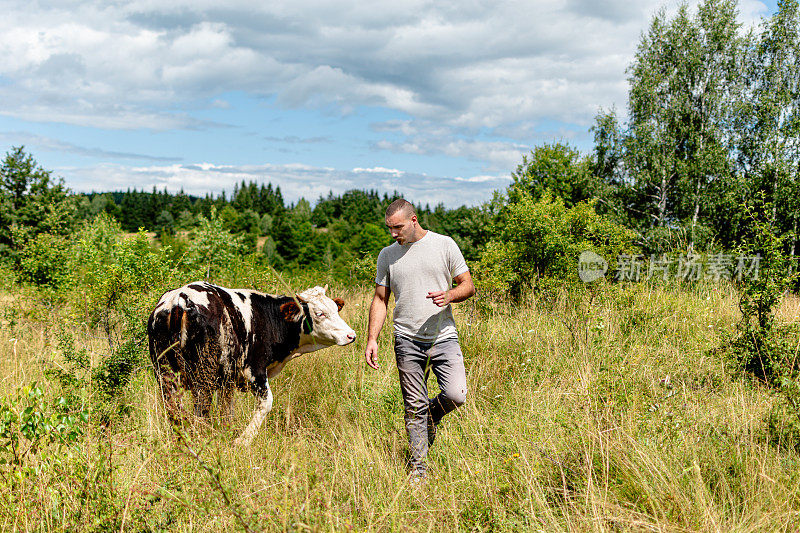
(438, 100)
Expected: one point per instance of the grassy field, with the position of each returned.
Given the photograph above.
(610, 413)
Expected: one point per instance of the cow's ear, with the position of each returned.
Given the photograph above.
(339, 303)
(291, 311)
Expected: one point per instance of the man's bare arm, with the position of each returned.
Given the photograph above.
(464, 289)
(377, 316)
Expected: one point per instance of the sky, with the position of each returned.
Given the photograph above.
(437, 100)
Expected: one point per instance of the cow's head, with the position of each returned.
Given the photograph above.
(327, 327)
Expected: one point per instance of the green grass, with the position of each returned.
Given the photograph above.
(614, 414)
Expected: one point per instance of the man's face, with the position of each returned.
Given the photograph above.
(402, 226)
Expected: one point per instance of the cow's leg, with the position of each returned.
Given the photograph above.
(204, 379)
(226, 404)
(164, 372)
(168, 385)
(263, 406)
(202, 401)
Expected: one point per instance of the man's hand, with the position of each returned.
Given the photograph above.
(464, 289)
(440, 298)
(377, 314)
(371, 354)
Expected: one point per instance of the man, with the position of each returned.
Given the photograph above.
(419, 268)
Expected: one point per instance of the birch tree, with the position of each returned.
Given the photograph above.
(679, 101)
(768, 119)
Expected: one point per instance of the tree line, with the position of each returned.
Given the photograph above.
(333, 233)
(286, 232)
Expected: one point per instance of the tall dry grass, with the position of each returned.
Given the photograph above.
(609, 414)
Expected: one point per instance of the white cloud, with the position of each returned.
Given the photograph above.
(498, 156)
(122, 65)
(751, 12)
(379, 170)
(484, 179)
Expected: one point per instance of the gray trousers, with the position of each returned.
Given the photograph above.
(415, 361)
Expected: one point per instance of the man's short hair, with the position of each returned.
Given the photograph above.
(401, 205)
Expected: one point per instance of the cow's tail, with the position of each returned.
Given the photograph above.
(184, 327)
(178, 323)
(168, 329)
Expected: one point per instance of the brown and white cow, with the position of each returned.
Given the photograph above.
(209, 338)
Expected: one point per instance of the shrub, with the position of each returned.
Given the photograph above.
(763, 347)
(44, 261)
(362, 269)
(33, 435)
(137, 269)
(127, 279)
(541, 240)
(96, 244)
(101, 388)
(48, 462)
(555, 168)
(213, 247)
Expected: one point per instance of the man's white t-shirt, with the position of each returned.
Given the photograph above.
(411, 271)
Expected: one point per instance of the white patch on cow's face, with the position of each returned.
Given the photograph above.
(328, 327)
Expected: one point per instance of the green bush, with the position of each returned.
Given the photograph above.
(102, 387)
(213, 248)
(95, 245)
(136, 268)
(555, 168)
(764, 347)
(362, 269)
(49, 464)
(33, 435)
(540, 240)
(44, 261)
(370, 239)
(119, 293)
